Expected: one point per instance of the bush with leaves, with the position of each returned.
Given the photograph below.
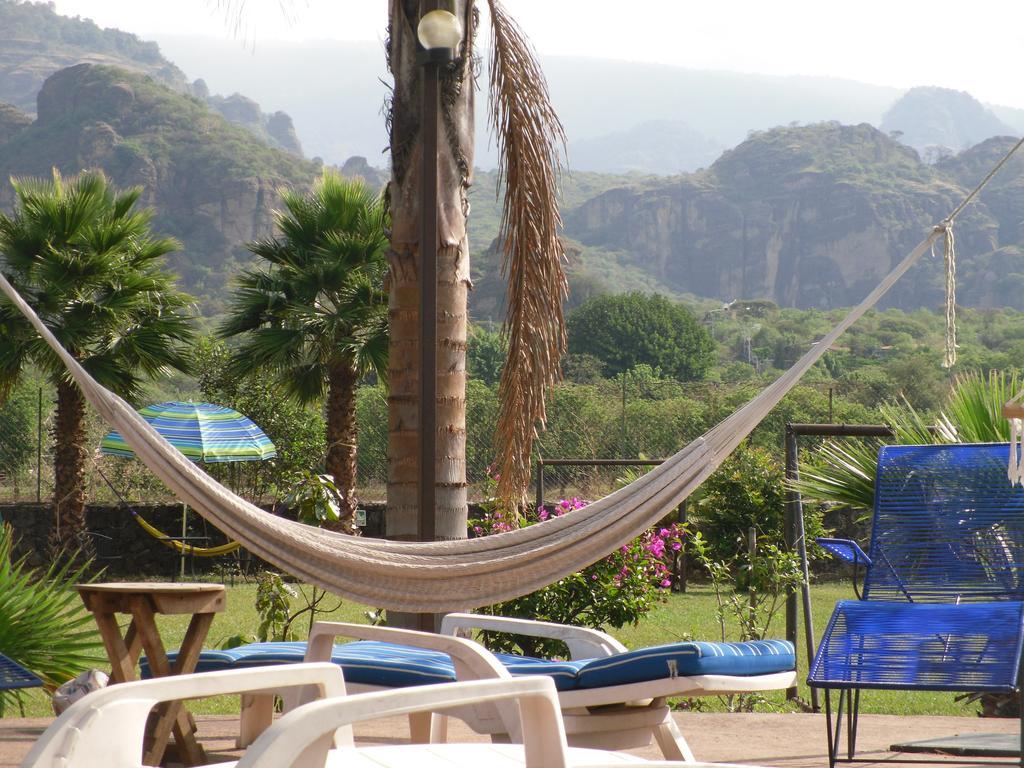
(768, 578)
(296, 430)
(43, 625)
(746, 492)
(618, 589)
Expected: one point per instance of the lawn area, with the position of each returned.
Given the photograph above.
(690, 615)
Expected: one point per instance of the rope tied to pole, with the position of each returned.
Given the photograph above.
(949, 256)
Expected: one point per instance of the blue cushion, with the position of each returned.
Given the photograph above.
(367, 662)
(564, 673)
(758, 657)
(391, 665)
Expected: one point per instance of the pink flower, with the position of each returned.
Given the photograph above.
(656, 547)
(543, 514)
(676, 546)
(666, 582)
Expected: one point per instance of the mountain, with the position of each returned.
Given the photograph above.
(939, 121)
(601, 100)
(213, 185)
(35, 42)
(810, 216)
(654, 146)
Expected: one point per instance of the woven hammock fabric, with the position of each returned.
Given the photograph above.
(202, 431)
(445, 576)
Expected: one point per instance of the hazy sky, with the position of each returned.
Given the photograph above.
(976, 47)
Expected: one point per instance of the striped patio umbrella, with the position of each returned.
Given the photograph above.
(201, 431)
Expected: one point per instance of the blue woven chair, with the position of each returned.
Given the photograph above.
(13, 676)
(942, 603)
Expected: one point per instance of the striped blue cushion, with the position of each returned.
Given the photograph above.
(367, 662)
(564, 673)
(392, 666)
(758, 657)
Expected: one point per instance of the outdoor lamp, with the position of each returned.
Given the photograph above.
(439, 29)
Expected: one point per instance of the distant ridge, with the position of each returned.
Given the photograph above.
(939, 121)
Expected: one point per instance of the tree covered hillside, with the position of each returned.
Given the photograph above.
(214, 186)
(35, 42)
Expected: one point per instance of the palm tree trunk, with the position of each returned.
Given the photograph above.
(70, 532)
(341, 437)
(455, 162)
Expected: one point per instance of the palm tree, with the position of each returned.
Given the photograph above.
(529, 137)
(87, 262)
(315, 316)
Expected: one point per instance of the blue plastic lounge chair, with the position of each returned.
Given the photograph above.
(611, 698)
(941, 606)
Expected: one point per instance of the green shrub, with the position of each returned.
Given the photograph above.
(43, 624)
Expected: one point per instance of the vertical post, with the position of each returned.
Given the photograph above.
(622, 451)
(39, 449)
(428, 306)
(540, 483)
(681, 575)
(184, 541)
(751, 584)
(789, 533)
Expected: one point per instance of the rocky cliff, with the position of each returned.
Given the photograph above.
(36, 42)
(805, 216)
(213, 185)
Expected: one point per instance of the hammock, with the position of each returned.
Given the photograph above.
(439, 577)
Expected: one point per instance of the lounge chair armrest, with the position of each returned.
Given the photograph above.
(583, 642)
(106, 728)
(300, 738)
(846, 550)
(472, 661)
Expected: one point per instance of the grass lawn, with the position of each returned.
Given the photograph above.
(690, 615)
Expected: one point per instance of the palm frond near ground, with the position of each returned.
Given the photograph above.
(43, 624)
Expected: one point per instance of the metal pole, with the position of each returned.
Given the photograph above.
(428, 307)
(540, 484)
(789, 532)
(39, 449)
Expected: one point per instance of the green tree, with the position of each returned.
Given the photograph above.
(486, 354)
(85, 259)
(315, 316)
(630, 329)
(18, 428)
(297, 430)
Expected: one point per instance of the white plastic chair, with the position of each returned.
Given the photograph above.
(106, 728)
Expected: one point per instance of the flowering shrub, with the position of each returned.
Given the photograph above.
(618, 589)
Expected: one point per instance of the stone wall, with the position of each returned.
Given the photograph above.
(126, 550)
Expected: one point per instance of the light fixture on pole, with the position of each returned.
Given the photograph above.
(439, 32)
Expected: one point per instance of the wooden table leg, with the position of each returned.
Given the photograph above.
(171, 716)
(122, 666)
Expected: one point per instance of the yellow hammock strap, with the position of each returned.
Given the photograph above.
(179, 546)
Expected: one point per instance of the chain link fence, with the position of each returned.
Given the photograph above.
(608, 420)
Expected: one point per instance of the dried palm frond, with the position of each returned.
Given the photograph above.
(530, 142)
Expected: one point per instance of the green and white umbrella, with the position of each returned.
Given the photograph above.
(201, 431)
